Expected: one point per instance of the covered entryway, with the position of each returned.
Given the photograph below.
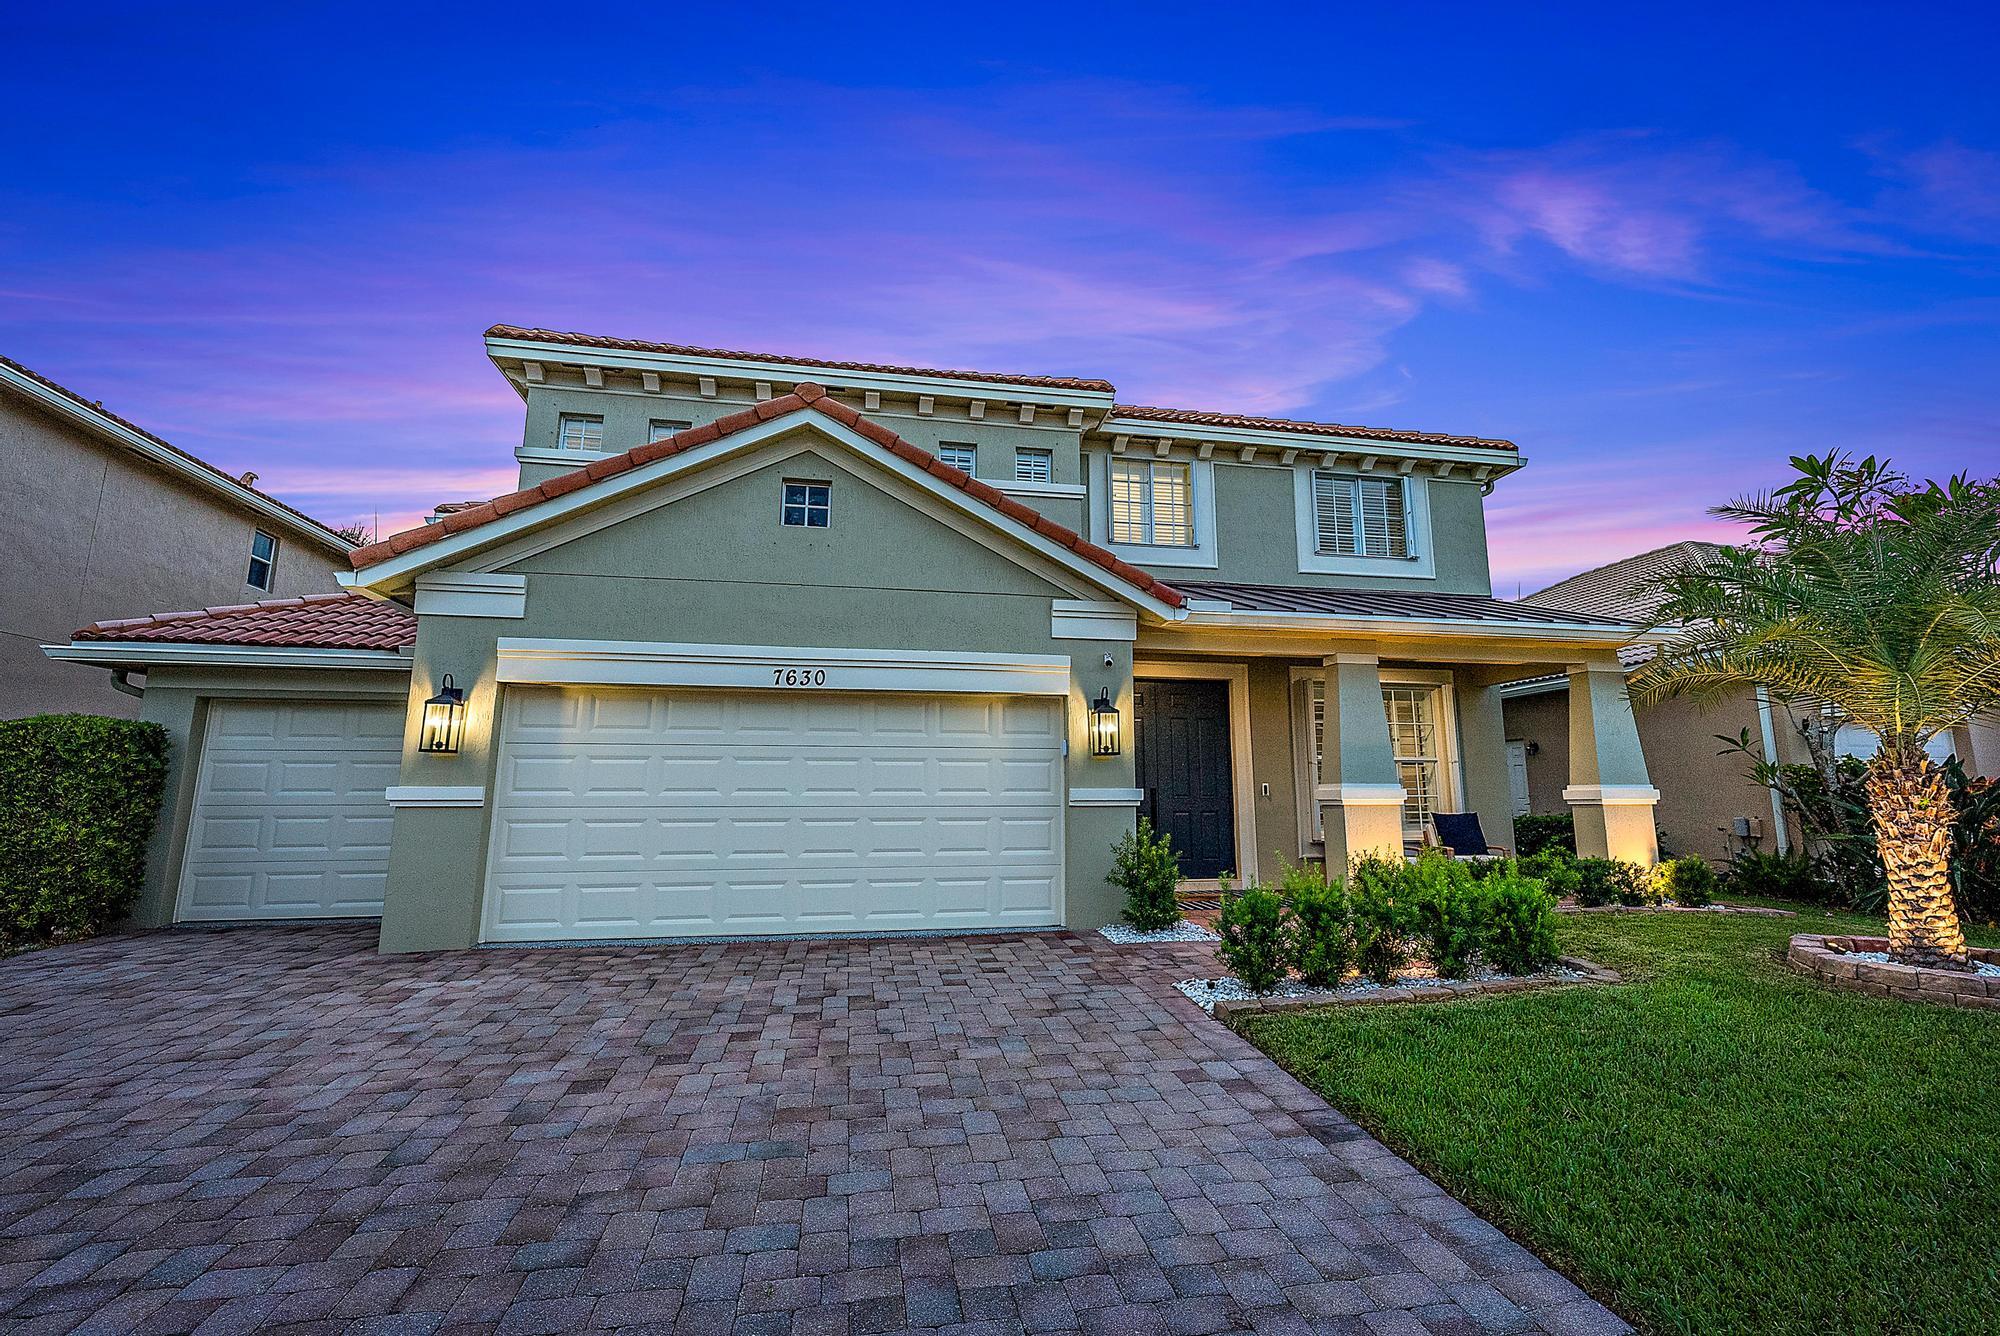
(628, 813)
(289, 820)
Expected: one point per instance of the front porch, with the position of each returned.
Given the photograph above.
(1264, 739)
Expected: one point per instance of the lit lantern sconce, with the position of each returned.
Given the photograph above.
(1104, 731)
(444, 720)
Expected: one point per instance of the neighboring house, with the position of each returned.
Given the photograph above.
(769, 645)
(100, 518)
(1709, 805)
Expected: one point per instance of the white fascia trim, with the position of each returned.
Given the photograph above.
(1089, 619)
(471, 594)
(1416, 518)
(435, 795)
(1612, 795)
(150, 653)
(171, 462)
(377, 580)
(1203, 555)
(1533, 686)
(1036, 491)
(569, 459)
(1360, 795)
(1309, 443)
(1106, 797)
(1411, 626)
(777, 667)
(792, 373)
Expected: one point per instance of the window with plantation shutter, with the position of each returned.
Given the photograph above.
(1152, 503)
(1360, 517)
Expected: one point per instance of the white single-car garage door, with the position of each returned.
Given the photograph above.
(622, 813)
(290, 820)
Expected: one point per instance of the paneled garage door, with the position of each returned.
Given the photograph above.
(652, 813)
(289, 815)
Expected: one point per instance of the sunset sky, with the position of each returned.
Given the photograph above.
(1662, 255)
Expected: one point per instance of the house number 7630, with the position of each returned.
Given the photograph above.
(798, 677)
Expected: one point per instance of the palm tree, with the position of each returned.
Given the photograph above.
(1876, 598)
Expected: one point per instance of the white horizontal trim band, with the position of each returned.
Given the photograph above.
(1612, 795)
(777, 668)
(1360, 795)
(1042, 491)
(1106, 797)
(435, 795)
(1085, 619)
(469, 594)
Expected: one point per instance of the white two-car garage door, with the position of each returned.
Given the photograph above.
(624, 813)
(290, 820)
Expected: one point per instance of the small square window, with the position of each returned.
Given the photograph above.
(961, 457)
(1033, 466)
(661, 428)
(808, 505)
(263, 560)
(580, 431)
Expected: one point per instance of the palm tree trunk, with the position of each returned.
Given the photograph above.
(1911, 805)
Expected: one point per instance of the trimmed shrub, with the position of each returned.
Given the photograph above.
(1639, 885)
(1556, 869)
(1381, 917)
(1146, 868)
(1322, 926)
(1691, 881)
(1253, 937)
(1544, 830)
(1775, 877)
(1447, 912)
(1598, 881)
(1521, 931)
(78, 798)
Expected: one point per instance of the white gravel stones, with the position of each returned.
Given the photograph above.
(1985, 969)
(1208, 992)
(1184, 931)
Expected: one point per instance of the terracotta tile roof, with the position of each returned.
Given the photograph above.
(683, 350)
(1402, 604)
(316, 621)
(313, 526)
(1197, 418)
(453, 507)
(805, 395)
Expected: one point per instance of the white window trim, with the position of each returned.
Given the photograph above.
(969, 447)
(1450, 766)
(807, 506)
(1201, 477)
(562, 425)
(653, 425)
(270, 562)
(1242, 775)
(1421, 564)
(1150, 505)
(1046, 455)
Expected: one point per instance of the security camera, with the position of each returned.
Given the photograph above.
(1108, 661)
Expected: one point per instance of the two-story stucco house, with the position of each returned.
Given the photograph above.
(767, 644)
(100, 518)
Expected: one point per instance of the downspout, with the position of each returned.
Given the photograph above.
(1771, 754)
(121, 680)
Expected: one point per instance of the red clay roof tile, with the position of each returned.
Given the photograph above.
(315, 621)
(1199, 418)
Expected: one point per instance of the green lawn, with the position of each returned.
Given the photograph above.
(1716, 1145)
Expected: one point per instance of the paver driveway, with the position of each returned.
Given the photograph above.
(247, 1129)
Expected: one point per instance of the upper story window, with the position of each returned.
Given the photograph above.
(581, 431)
(661, 428)
(808, 505)
(961, 457)
(1033, 465)
(263, 560)
(1152, 502)
(1355, 516)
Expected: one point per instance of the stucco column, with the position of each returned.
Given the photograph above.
(1360, 795)
(1609, 791)
(1482, 745)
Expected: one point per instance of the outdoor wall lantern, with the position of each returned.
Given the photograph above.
(444, 720)
(1104, 734)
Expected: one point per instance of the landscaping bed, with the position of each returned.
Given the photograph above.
(1228, 998)
(1760, 911)
(1123, 934)
(1861, 964)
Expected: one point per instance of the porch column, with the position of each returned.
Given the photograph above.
(1609, 792)
(1482, 736)
(1360, 795)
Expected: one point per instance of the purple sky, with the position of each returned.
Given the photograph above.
(1662, 259)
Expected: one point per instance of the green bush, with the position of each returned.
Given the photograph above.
(1381, 917)
(78, 798)
(1605, 881)
(1544, 830)
(1146, 868)
(1447, 912)
(1253, 936)
(1639, 885)
(1322, 927)
(1521, 931)
(1691, 881)
(1554, 867)
(1775, 877)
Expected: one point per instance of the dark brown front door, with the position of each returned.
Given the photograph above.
(1181, 753)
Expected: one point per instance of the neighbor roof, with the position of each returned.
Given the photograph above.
(316, 621)
(95, 414)
(1620, 588)
(1401, 604)
(683, 350)
(1199, 418)
(806, 395)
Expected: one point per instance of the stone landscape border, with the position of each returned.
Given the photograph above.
(1586, 972)
(1827, 959)
(1755, 911)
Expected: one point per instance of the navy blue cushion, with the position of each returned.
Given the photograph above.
(1460, 833)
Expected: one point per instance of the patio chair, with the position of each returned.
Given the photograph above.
(1458, 833)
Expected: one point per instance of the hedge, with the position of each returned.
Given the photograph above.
(78, 798)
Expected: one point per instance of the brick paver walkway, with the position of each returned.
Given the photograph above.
(276, 1127)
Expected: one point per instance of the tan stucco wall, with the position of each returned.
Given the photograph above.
(92, 532)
